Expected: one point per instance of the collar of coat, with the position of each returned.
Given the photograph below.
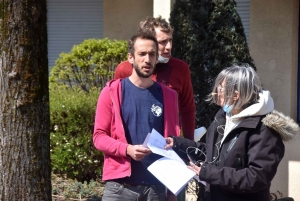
(285, 126)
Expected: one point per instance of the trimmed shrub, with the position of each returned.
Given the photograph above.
(89, 64)
(72, 114)
(75, 84)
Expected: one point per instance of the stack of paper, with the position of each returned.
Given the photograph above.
(169, 170)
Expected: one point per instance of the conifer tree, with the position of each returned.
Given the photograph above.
(209, 36)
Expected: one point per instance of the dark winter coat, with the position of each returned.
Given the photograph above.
(248, 158)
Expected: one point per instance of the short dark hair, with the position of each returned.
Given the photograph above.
(142, 34)
(150, 23)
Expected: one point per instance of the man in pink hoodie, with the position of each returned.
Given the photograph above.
(127, 110)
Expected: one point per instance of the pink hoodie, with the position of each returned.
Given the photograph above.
(109, 134)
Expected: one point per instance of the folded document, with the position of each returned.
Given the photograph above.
(169, 170)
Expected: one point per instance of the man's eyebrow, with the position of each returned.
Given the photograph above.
(151, 51)
(166, 39)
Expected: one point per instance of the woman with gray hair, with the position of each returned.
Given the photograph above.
(244, 143)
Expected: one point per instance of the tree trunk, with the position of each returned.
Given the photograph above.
(25, 172)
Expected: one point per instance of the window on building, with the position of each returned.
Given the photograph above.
(243, 8)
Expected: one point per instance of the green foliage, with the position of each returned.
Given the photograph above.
(89, 64)
(67, 189)
(72, 115)
(75, 83)
(209, 36)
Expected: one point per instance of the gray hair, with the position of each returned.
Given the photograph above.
(241, 78)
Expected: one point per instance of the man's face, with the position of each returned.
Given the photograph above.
(145, 57)
(164, 43)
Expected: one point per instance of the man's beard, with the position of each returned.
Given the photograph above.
(142, 74)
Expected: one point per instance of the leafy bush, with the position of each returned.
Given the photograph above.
(72, 115)
(67, 189)
(75, 83)
(89, 64)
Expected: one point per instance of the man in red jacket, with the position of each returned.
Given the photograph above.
(169, 71)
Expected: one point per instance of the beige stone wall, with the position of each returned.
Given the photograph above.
(274, 48)
(122, 17)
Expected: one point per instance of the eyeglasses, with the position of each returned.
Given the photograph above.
(220, 88)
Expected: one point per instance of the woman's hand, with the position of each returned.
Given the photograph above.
(170, 143)
(195, 168)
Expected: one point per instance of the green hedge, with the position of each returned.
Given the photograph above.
(72, 115)
(89, 64)
(75, 84)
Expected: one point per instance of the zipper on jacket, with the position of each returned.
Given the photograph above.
(112, 100)
(232, 143)
(119, 115)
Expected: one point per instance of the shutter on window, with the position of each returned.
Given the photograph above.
(70, 22)
(243, 8)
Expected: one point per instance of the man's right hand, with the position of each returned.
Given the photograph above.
(137, 152)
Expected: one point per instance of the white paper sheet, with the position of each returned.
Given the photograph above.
(169, 170)
(156, 143)
(173, 174)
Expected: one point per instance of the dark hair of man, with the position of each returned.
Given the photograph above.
(142, 34)
(150, 23)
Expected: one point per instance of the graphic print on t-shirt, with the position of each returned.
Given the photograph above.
(156, 110)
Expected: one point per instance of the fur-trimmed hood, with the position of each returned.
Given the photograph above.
(284, 125)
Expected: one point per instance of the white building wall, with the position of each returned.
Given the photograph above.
(162, 8)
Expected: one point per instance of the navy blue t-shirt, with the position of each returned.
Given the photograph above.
(142, 110)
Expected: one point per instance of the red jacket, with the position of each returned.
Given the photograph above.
(109, 134)
(176, 75)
